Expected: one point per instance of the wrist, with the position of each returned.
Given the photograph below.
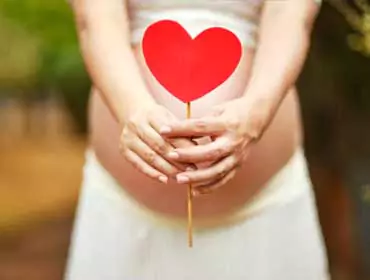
(264, 96)
(259, 111)
(132, 106)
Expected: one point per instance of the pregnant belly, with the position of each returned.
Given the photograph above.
(277, 145)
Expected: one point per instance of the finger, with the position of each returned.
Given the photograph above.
(214, 151)
(215, 171)
(155, 141)
(152, 158)
(159, 121)
(143, 167)
(208, 188)
(165, 149)
(182, 142)
(195, 127)
(174, 143)
(202, 140)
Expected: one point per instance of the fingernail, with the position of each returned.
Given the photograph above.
(163, 179)
(173, 155)
(165, 129)
(182, 179)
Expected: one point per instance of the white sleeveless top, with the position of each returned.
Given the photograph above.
(239, 16)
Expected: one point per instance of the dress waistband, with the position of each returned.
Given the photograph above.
(195, 21)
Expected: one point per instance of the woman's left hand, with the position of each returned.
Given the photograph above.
(233, 127)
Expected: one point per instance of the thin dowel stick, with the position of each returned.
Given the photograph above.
(190, 196)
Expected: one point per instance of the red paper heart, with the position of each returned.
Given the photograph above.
(190, 68)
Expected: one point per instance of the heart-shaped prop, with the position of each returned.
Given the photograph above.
(190, 68)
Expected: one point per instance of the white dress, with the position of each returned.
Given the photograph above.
(277, 237)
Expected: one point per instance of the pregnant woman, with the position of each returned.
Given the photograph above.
(254, 210)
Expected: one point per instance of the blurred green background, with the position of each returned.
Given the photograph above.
(43, 98)
(39, 54)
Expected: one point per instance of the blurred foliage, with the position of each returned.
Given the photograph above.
(358, 17)
(51, 24)
(335, 93)
(336, 62)
(18, 56)
(45, 27)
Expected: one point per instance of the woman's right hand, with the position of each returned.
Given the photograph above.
(144, 147)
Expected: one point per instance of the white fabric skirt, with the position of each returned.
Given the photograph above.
(114, 239)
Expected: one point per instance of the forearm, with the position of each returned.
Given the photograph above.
(104, 40)
(283, 45)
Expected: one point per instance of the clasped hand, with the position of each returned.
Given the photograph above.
(230, 126)
(231, 132)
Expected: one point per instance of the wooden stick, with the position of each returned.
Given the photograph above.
(190, 196)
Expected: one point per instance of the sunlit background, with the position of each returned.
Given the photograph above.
(43, 95)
